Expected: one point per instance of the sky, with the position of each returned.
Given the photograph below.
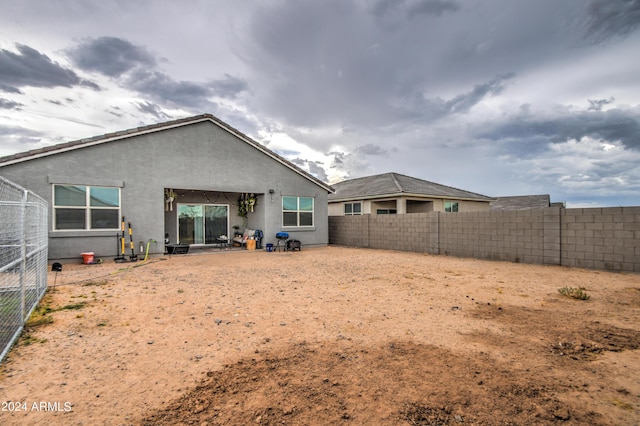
(497, 97)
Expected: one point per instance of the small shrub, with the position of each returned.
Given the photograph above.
(576, 293)
(38, 320)
(27, 339)
(73, 307)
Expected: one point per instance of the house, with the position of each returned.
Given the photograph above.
(393, 193)
(524, 202)
(190, 180)
(521, 202)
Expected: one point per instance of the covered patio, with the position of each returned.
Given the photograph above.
(206, 219)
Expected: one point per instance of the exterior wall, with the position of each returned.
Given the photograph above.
(336, 209)
(419, 206)
(474, 206)
(602, 238)
(199, 156)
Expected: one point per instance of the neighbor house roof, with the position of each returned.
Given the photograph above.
(521, 202)
(123, 134)
(394, 185)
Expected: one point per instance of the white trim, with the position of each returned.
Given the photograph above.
(298, 211)
(87, 209)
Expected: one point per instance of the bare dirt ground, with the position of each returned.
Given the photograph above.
(327, 336)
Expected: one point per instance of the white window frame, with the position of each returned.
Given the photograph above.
(298, 211)
(87, 209)
(353, 204)
(451, 206)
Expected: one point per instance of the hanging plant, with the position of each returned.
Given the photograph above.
(169, 198)
(251, 202)
(242, 206)
(170, 195)
(246, 203)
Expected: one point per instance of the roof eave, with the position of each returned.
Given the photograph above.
(404, 194)
(84, 143)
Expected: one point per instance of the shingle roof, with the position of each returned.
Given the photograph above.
(521, 202)
(109, 137)
(394, 184)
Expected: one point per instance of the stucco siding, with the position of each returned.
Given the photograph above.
(199, 157)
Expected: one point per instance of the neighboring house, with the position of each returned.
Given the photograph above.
(393, 193)
(521, 202)
(191, 178)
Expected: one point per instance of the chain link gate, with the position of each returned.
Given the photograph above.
(23, 258)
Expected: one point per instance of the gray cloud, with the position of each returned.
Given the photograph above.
(432, 7)
(316, 168)
(464, 102)
(9, 104)
(417, 106)
(597, 104)
(611, 125)
(228, 87)
(137, 69)
(17, 139)
(29, 67)
(164, 88)
(19, 131)
(606, 19)
(344, 68)
(189, 94)
(390, 13)
(110, 56)
(8, 89)
(338, 157)
(151, 109)
(116, 111)
(371, 149)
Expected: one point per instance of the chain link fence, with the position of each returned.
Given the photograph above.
(23, 258)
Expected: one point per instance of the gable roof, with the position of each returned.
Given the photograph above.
(393, 185)
(521, 202)
(123, 134)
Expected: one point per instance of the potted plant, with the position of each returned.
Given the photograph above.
(251, 202)
(169, 198)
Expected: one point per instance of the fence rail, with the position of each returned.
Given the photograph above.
(23, 258)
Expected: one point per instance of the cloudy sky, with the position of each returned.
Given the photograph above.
(498, 97)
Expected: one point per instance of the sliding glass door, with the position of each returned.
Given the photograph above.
(202, 223)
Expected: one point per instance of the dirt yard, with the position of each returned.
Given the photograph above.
(327, 336)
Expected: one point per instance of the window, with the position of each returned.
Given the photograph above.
(352, 209)
(386, 211)
(297, 211)
(77, 207)
(451, 206)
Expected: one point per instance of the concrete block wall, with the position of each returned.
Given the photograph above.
(515, 236)
(600, 238)
(352, 231)
(400, 232)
